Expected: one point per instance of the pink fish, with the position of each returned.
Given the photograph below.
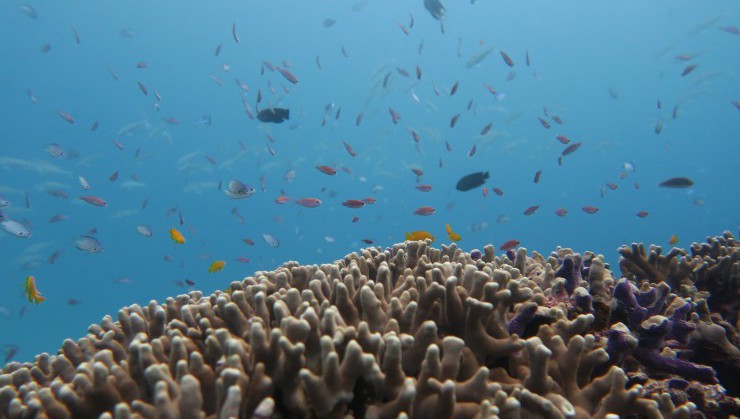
(589, 209)
(94, 200)
(67, 117)
(416, 136)
(425, 211)
(308, 202)
(544, 123)
(507, 59)
(288, 75)
(563, 139)
(423, 187)
(349, 149)
(509, 244)
(642, 214)
(394, 116)
(353, 203)
(561, 212)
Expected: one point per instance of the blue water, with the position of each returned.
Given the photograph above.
(599, 66)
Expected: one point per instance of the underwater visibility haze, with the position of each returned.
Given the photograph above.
(152, 148)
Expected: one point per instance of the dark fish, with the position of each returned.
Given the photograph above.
(676, 182)
(276, 115)
(435, 8)
(472, 181)
(571, 149)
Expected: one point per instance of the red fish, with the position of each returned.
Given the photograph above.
(67, 117)
(288, 75)
(531, 210)
(242, 260)
(248, 241)
(590, 209)
(353, 203)
(308, 202)
(394, 116)
(507, 59)
(282, 199)
(563, 139)
(561, 212)
(509, 244)
(423, 187)
(424, 211)
(612, 186)
(571, 149)
(417, 172)
(642, 214)
(490, 89)
(544, 123)
(349, 149)
(485, 192)
(94, 200)
(327, 170)
(355, 219)
(403, 28)
(498, 191)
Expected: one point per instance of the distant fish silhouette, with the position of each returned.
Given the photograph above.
(276, 115)
(435, 8)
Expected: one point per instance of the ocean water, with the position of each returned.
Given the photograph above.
(602, 68)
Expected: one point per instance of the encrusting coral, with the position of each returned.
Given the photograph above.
(415, 331)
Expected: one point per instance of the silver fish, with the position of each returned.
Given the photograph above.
(4, 202)
(270, 239)
(15, 228)
(88, 244)
(144, 230)
(238, 190)
(55, 150)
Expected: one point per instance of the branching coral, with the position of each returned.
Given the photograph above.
(411, 331)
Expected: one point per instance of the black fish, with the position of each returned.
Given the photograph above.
(276, 115)
(435, 8)
(676, 182)
(472, 181)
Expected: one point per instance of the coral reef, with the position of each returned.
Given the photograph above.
(415, 331)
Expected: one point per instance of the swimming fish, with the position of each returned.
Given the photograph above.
(239, 190)
(176, 236)
(451, 234)
(88, 244)
(270, 239)
(472, 181)
(275, 115)
(673, 239)
(676, 182)
(144, 230)
(15, 228)
(216, 266)
(435, 8)
(34, 296)
(419, 235)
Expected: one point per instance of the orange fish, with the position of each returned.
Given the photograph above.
(176, 236)
(673, 239)
(419, 235)
(327, 170)
(216, 266)
(451, 234)
(34, 296)
(308, 202)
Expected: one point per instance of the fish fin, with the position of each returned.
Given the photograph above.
(408, 236)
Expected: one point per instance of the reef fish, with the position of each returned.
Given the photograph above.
(270, 239)
(15, 228)
(216, 266)
(88, 244)
(239, 190)
(419, 235)
(275, 115)
(33, 294)
(176, 236)
(676, 182)
(435, 8)
(471, 181)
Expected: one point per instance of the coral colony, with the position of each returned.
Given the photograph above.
(415, 331)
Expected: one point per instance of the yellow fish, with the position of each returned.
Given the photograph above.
(451, 234)
(673, 239)
(34, 295)
(176, 236)
(419, 235)
(216, 266)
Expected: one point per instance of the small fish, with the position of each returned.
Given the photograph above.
(563, 139)
(282, 199)
(686, 71)
(612, 186)
(367, 241)
(308, 202)
(288, 75)
(33, 294)
(544, 123)
(88, 244)
(425, 211)
(571, 148)
(498, 191)
(144, 230)
(561, 212)
(486, 129)
(327, 170)
(531, 210)
(30, 11)
(248, 241)
(67, 117)
(419, 236)
(355, 219)
(509, 244)
(143, 88)
(216, 266)
(58, 218)
(415, 136)
(369, 200)
(537, 176)
(233, 33)
(590, 209)
(395, 117)
(451, 234)
(54, 256)
(58, 193)
(4, 202)
(454, 119)
(642, 214)
(349, 149)
(353, 203)
(113, 177)
(176, 236)
(418, 73)
(472, 151)
(507, 59)
(56, 151)
(94, 200)
(15, 228)
(658, 127)
(274, 115)
(423, 187)
(358, 119)
(270, 239)
(673, 239)
(238, 190)
(676, 182)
